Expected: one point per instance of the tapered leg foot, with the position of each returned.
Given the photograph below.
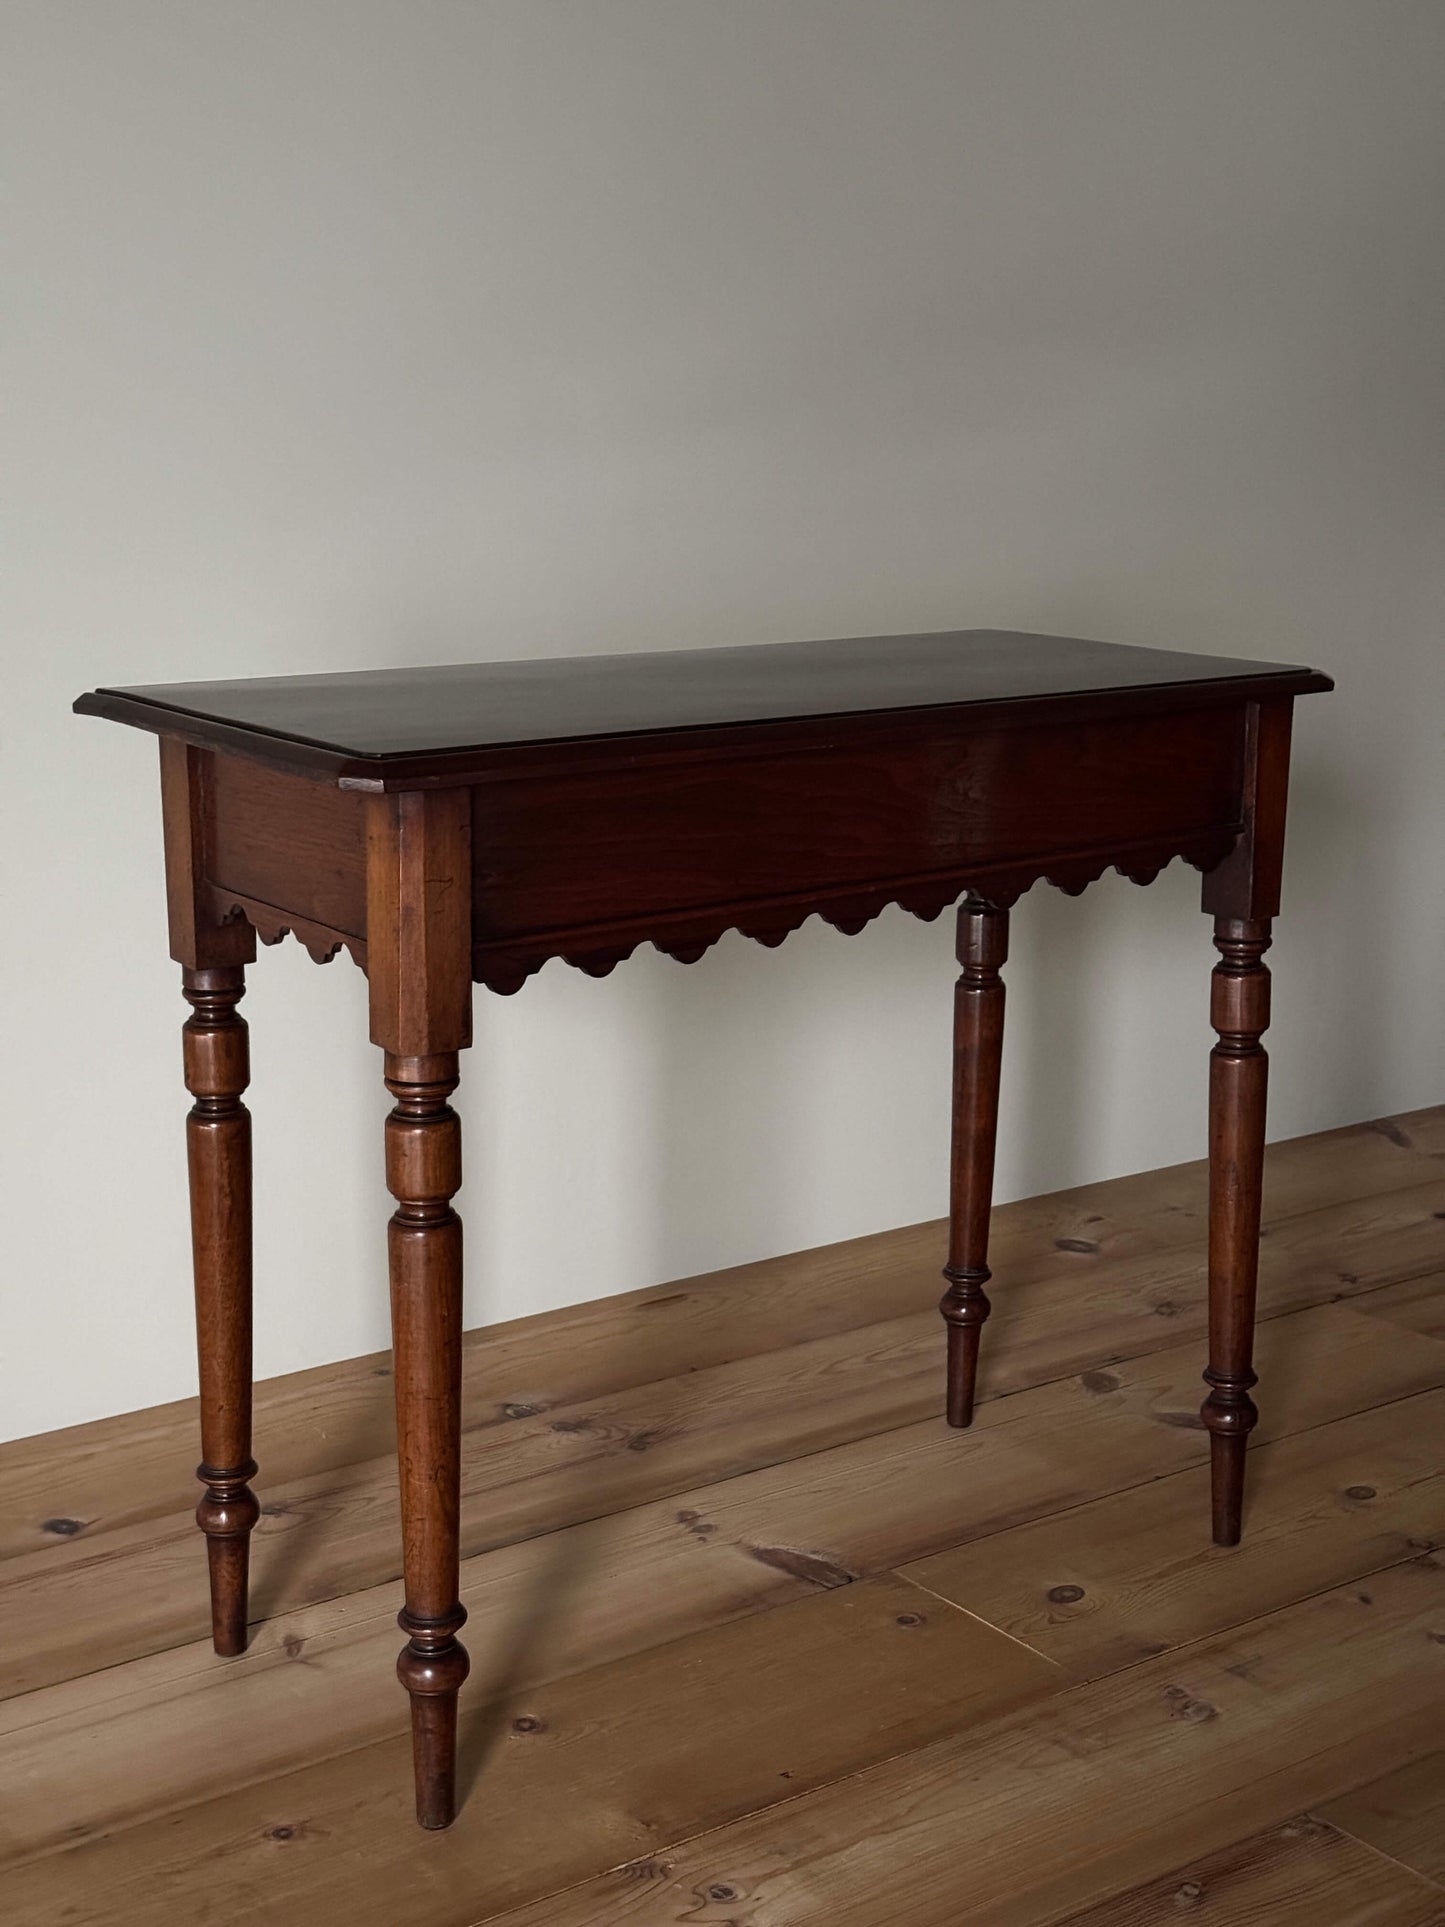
(218, 1139)
(433, 1667)
(1238, 1077)
(977, 1057)
(1226, 1470)
(965, 1306)
(227, 1512)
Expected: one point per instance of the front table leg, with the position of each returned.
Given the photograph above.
(423, 1171)
(419, 936)
(977, 1055)
(1238, 1074)
(218, 1146)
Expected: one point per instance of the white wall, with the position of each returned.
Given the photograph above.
(358, 332)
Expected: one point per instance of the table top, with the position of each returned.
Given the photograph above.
(398, 723)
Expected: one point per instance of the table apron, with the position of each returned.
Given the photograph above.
(600, 850)
(588, 863)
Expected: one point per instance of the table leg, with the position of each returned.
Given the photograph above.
(218, 1142)
(423, 1171)
(1238, 1074)
(977, 1055)
(418, 943)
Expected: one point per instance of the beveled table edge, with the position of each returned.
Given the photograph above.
(438, 768)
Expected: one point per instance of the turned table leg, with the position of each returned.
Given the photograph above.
(1238, 1074)
(977, 1054)
(423, 1171)
(218, 1141)
(419, 935)
(1242, 895)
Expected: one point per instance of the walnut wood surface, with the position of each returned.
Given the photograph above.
(587, 864)
(419, 933)
(676, 840)
(213, 956)
(977, 1060)
(218, 1141)
(201, 938)
(317, 868)
(1238, 1075)
(1243, 895)
(424, 1238)
(390, 727)
(451, 824)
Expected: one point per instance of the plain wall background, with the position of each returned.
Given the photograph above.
(351, 333)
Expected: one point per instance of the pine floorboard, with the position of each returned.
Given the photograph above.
(756, 1640)
(1303, 1874)
(1402, 1815)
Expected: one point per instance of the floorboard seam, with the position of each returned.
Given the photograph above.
(843, 1779)
(1379, 1853)
(1136, 1485)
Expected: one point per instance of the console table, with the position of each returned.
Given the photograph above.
(458, 824)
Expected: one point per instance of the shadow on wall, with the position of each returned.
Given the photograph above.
(772, 1070)
(765, 1084)
(1338, 835)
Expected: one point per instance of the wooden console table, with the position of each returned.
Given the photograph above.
(446, 825)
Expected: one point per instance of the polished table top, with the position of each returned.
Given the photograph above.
(389, 725)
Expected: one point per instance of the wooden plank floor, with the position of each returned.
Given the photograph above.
(757, 1641)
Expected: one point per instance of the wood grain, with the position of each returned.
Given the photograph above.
(198, 941)
(1238, 1077)
(1402, 1815)
(1091, 1793)
(1418, 1304)
(1090, 1458)
(624, 1743)
(978, 1011)
(980, 766)
(325, 842)
(218, 1154)
(1302, 1874)
(319, 1538)
(603, 1455)
(317, 1682)
(88, 1479)
(400, 727)
(1127, 1576)
(565, 851)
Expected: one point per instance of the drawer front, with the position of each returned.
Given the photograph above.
(698, 838)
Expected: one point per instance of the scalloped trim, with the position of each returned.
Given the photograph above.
(320, 942)
(504, 967)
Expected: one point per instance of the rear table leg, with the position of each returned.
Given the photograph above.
(977, 1055)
